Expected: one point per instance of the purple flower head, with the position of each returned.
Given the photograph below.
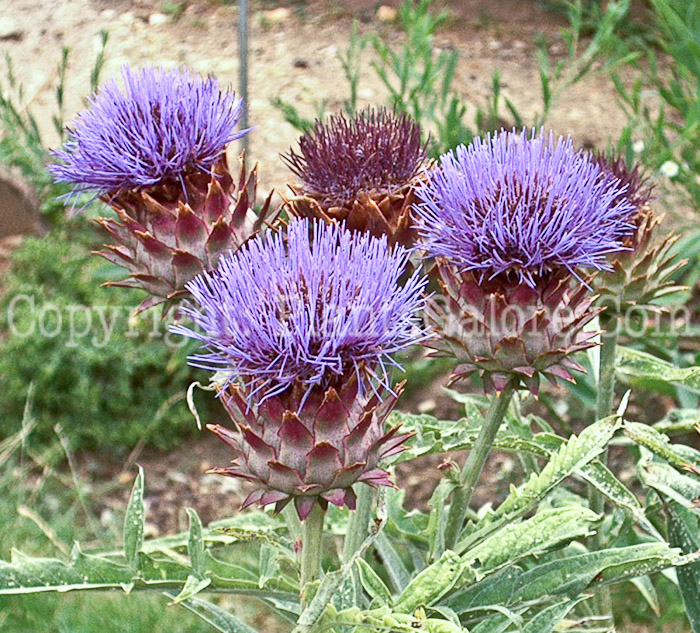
(307, 307)
(164, 123)
(638, 191)
(376, 150)
(521, 205)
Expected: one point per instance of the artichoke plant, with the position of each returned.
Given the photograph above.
(303, 326)
(156, 153)
(362, 171)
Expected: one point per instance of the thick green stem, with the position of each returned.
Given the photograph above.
(358, 525)
(311, 547)
(604, 407)
(606, 375)
(474, 465)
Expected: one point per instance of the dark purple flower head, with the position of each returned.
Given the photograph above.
(521, 205)
(163, 123)
(638, 191)
(307, 307)
(375, 150)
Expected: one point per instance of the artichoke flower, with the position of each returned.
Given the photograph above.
(513, 221)
(312, 449)
(641, 272)
(362, 171)
(155, 152)
(303, 327)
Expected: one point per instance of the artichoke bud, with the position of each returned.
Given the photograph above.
(310, 446)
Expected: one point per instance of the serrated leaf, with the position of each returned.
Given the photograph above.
(133, 521)
(574, 454)
(637, 367)
(431, 584)
(372, 583)
(660, 445)
(85, 572)
(547, 619)
(398, 574)
(668, 481)
(684, 533)
(678, 421)
(546, 530)
(223, 621)
(568, 459)
(193, 585)
(567, 576)
(602, 479)
(195, 544)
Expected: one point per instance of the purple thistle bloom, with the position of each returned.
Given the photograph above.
(308, 307)
(377, 150)
(164, 123)
(521, 205)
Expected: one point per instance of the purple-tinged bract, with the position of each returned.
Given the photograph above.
(637, 189)
(163, 123)
(308, 307)
(641, 273)
(376, 150)
(520, 206)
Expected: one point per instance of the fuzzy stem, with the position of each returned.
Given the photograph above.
(312, 545)
(604, 407)
(358, 526)
(475, 463)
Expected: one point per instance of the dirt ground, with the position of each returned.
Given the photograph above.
(293, 55)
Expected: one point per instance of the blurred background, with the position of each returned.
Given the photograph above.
(87, 390)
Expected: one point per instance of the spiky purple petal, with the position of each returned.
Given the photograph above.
(163, 122)
(521, 205)
(308, 307)
(377, 150)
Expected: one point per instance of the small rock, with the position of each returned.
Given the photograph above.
(9, 29)
(150, 530)
(108, 14)
(128, 17)
(125, 478)
(178, 477)
(107, 517)
(386, 14)
(278, 15)
(157, 19)
(366, 93)
(519, 45)
(494, 45)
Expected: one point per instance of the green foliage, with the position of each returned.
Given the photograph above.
(670, 126)
(21, 144)
(107, 379)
